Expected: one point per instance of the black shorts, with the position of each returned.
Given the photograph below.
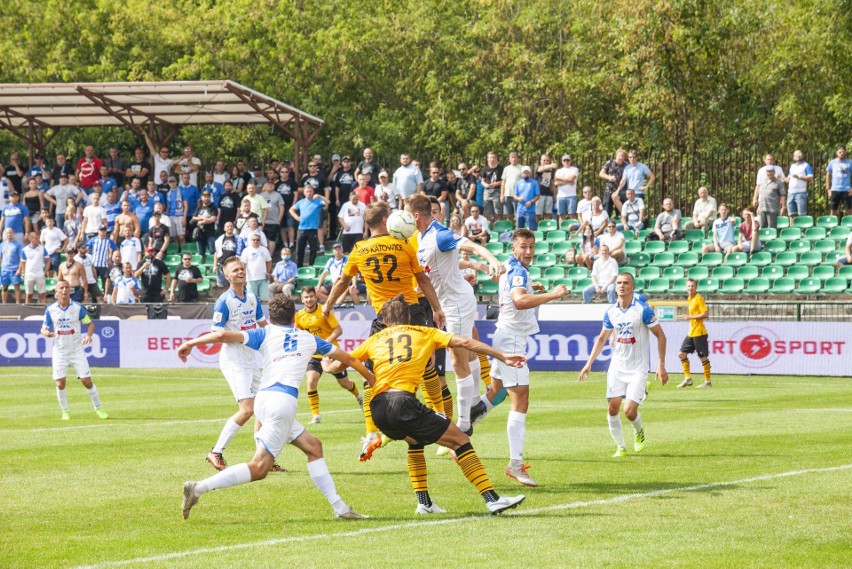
(399, 414)
(416, 312)
(272, 232)
(837, 197)
(695, 344)
(316, 365)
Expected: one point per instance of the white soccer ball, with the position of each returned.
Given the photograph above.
(401, 224)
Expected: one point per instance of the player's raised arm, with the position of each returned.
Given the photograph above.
(217, 337)
(512, 360)
(597, 348)
(348, 360)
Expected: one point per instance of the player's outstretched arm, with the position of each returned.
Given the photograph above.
(514, 360)
(600, 342)
(524, 300)
(346, 359)
(217, 337)
(496, 268)
(341, 285)
(661, 349)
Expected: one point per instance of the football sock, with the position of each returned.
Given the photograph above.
(231, 476)
(706, 364)
(615, 429)
(93, 395)
(229, 431)
(464, 394)
(417, 472)
(323, 480)
(431, 386)
(637, 422)
(63, 399)
(353, 390)
(448, 402)
(475, 374)
(488, 404)
(516, 428)
(472, 468)
(499, 397)
(368, 415)
(313, 402)
(684, 363)
(484, 369)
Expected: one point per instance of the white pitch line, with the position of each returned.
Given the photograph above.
(396, 527)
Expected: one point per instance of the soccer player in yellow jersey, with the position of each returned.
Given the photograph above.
(399, 353)
(389, 267)
(696, 339)
(311, 319)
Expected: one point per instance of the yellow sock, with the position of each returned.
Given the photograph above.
(472, 468)
(368, 415)
(706, 370)
(354, 391)
(417, 468)
(684, 363)
(431, 386)
(313, 402)
(448, 402)
(484, 369)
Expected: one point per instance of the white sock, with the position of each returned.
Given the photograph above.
(615, 429)
(322, 478)
(464, 395)
(516, 426)
(475, 369)
(488, 405)
(229, 431)
(231, 476)
(93, 395)
(63, 399)
(637, 422)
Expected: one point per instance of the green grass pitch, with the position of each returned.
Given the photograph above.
(751, 473)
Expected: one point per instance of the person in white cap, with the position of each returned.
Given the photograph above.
(387, 192)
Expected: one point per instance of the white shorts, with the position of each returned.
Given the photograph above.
(177, 228)
(77, 360)
(276, 412)
(243, 380)
(460, 317)
(511, 344)
(32, 283)
(631, 385)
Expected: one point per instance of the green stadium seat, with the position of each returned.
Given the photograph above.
(541, 247)
(502, 225)
(758, 285)
(823, 272)
(554, 273)
(649, 273)
(639, 259)
(674, 272)
(783, 222)
(487, 288)
(839, 233)
(678, 247)
(639, 284)
(783, 285)
(664, 259)
(503, 257)
(50, 285)
(798, 272)
(732, 286)
(803, 221)
(708, 286)
(711, 259)
(203, 286)
(539, 235)
(544, 282)
(786, 258)
(809, 285)
(772, 272)
(846, 221)
(654, 247)
(321, 260)
(760, 259)
(535, 271)
(569, 283)
(790, 234)
(698, 272)
(567, 224)
(815, 233)
(747, 272)
(545, 260)
(736, 259)
(698, 246)
(197, 259)
(173, 249)
(834, 285)
(629, 235)
(627, 269)
(644, 233)
(658, 286)
(172, 260)
(577, 273)
(775, 246)
(767, 233)
(495, 247)
(632, 247)
(845, 271)
(561, 248)
(547, 224)
(679, 285)
(307, 272)
(307, 282)
(825, 246)
(723, 272)
(687, 260)
(693, 235)
(581, 284)
(827, 221)
(810, 258)
(556, 236)
(799, 246)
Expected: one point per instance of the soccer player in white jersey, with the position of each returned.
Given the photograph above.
(62, 322)
(515, 324)
(629, 320)
(286, 352)
(438, 254)
(236, 310)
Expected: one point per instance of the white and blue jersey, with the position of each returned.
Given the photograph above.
(335, 268)
(286, 353)
(631, 350)
(513, 320)
(66, 324)
(236, 314)
(124, 287)
(438, 254)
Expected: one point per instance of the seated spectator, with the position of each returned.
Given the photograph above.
(846, 257)
(284, 275)
(588, 250)
(723, 232)
(703, 212)
(633, 213)
(584, 210)
(456, 225)
(330, 273)
(477, 227)
(747, 241)
(469, 268)
(596, 219)
(604, 273)
(186, 279)
(614, 241)
(126, 289)
(667, 228)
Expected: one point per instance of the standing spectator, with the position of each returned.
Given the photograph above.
(244, 215)
(114, 272)
(215, 188)
(126, 219)
(177, 212)
(139, 169)
(130, 248)
(94, 217)
(511, 174)
(604, 273)
(39, 168)
(747, 241)
(370, 167)
(88, 169)
(566, 189)
(58, 196)
(465, 191)
(274, 214)
(63, 166)
(307, 212)
(107, 183)
(800, 174)
(237, 179)
(667, 228)
(15, 173)
(545, 176)
(703, 212)
(352, 220)
(112, 209)
(188, 163)
(341, 181)
(612, 173)
(11, 253)
(101, 247)
(186, 279)
(34, 201)
(116, 166)
(126, 289)
(614, 241)
(131, 194)
(436, 187)
(34, 265)
(284, 275)
(159, 235)
(723, 232)
(634, 178)
(258, 204)
(162, 161)
(526, 193)
(85, 260)
(770, 199)
(408, 179)
(54, 241)
(838, 182)
(71, 228)
(144, 211)
(205, 226)
(15, 216)
(288, 191)
(74, 274)
(229, 244)
(163, 185)
(492, 181)
(768, 164)
(220, 175)
(229, 204)
(387, 192)
(250, 229)
(190, 194)
(633, 213)
(151, 274)
(477, 227)
(258, 264)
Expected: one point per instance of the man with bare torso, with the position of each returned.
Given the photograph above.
(126, 219)
(73, 273)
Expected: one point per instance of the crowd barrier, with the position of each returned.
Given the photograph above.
(744, 348)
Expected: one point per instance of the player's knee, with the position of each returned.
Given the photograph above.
(682, 356)
(705, 360)
(60, 384)
(258, 470)
(87, 382)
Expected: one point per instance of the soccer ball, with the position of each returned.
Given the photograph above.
(401, 224)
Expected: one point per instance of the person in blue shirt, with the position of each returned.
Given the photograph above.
(107, 183)
(11, 253)
(15, 216)
(215, 188)
(144, 210)
(284, 275)
(838, 182)
(633, 178)
(526, 193)
(307, 212)
(190, 195)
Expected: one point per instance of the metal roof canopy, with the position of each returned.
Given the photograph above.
(36, 111)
